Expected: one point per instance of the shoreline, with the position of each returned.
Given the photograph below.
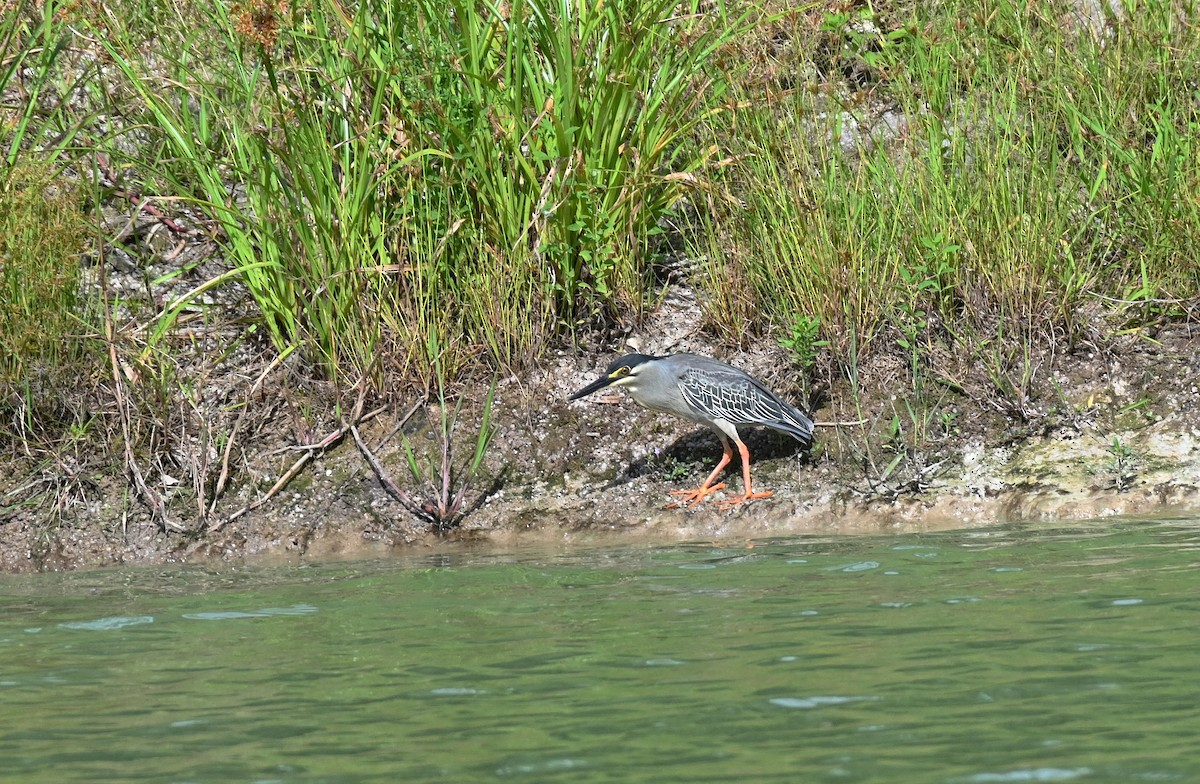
(241, 319)
(599, 471)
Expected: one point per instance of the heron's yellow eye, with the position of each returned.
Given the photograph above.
(621, 371)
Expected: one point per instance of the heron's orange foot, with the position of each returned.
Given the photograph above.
(732, 502)
(692, 497)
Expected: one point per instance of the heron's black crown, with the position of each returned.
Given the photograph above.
(629, 361)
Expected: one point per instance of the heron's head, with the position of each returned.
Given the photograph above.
(622, 372)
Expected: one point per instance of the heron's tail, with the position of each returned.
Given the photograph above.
(796, 424)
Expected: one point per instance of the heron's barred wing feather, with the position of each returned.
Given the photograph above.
(736, 398)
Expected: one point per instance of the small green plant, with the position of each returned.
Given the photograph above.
(673, 469)
(1139, 411)
(1123, 465)
(948, 423)
(939, 271)
(804, 342)
(912, 322)
(909, 471)
(1012, 370)
(446, 485)
(862, 37)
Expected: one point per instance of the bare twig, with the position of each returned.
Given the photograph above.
(152, 499)
(275, 488)
(423, 511)
(223, 478)
(855, 423)
(329, 440)
(200, 465)
(401, 423)
(137, 200)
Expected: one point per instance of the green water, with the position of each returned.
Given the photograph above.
(1002, 655)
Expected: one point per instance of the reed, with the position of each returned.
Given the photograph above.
(491, 174)
(1034, 168)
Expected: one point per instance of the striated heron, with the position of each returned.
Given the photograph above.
(711, 393)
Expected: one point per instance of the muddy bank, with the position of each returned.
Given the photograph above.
(1066, 473)
(341, 511)
(1092, 433)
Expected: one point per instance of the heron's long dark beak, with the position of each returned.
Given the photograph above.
(599, 383)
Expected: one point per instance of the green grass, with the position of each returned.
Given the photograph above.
(38, 73)
(382, 172)
(1040, 171)
(491, 178)
(47, 334)
(418, 192)
(964, 189)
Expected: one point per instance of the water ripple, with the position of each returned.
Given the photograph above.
(1029, 774)
(456, 691)
(266, 612)
(861, 566)
(817, 702)
(110, 623)
(549, 766)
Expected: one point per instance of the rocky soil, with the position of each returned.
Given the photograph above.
(1092, 432)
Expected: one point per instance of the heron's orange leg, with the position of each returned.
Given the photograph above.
(746, 479)
(693, 497)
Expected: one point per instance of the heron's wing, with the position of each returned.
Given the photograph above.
(733, 397)
(740, 400)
